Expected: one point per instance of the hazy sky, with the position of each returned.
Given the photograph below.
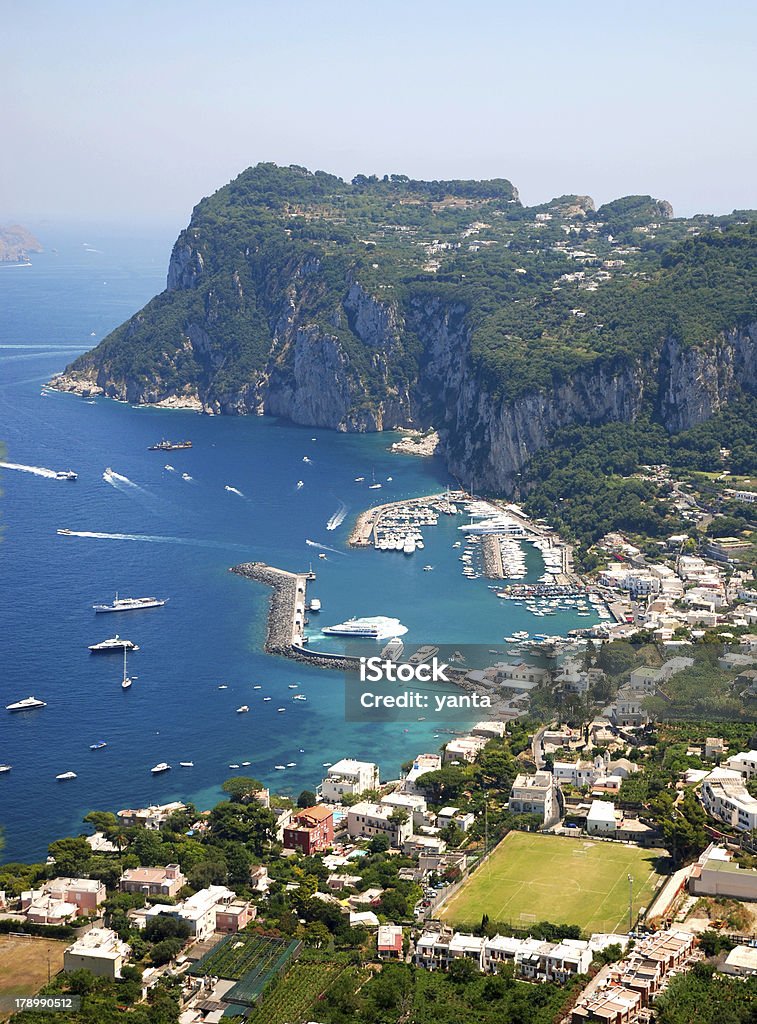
(133, 111)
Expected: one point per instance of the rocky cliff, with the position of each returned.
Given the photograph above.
(278, 311)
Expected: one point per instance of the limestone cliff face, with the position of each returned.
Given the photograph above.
(368, 363)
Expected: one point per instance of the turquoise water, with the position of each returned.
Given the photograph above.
(176, 539)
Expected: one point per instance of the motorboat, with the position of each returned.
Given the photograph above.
(116, 643)
(162, 766)
(66, 474)
(26, 704)
(98, 746)
(243, 709)
(65, 776)
(4, 768)
(186, 764)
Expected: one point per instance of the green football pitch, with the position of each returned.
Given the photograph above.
(531, 877)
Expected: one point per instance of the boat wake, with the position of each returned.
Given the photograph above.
(148, 538)
(233, 490)
(323, 547)
(119, 481)
(338, 517)
(36, 470)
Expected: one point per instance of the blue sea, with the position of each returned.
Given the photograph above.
(151, 531)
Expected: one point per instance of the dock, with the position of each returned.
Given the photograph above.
(367, 523)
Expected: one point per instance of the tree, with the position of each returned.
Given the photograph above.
(165, 951)
(462, 971)
(379, 844)
(165, 926)
(72, 856)
(241, 788)
(306, 798)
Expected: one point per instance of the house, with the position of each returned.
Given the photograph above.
(389, 942)
(366, 820)
(99, 951)
(311, 830)
(489, 730)
(336, 882)
(741, 962)
(201, 912)
(422, 764)
(464, 748)
(716, 873)
(233, 917)
(414, 805)
(151, 817)
(454, 816)
(601, 819)
(371, 897)
(714, 748)
(259, 880)
(283, 817)
(745, 764)
(725, 797)
(348, 778)
(153, 881)
(63, 898)
(419, 846)
(626, 711)
(364, 919)
(613, 1004)
(536, 794)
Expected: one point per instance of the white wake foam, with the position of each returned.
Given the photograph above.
(338, 517)
(233, 490)
(323, 547)
(36, 470)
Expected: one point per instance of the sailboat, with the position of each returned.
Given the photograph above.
(127, 680)
(373, 486)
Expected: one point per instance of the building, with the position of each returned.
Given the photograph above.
(602, 819)
(234, 916)
(532, 959)
(149, 817)
(745, 764)
(741, 962)
(627, 711)
(413, 804)
(348, 778)
(454, 816)
(464, 749)
(61, 899)
(422, 764)
(311, 830)
(389, 942)
(715, 748)
(366, 820)
(716, 873)
(536, 794)
(613, 1004)
(153, 881)
(99, 951)
(201, 912)
(424, 846)
(725, 797)
(489, 730)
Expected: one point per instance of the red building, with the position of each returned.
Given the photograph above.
(312, 829)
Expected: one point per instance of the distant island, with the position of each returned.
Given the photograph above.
(16, 242)
(386, 303)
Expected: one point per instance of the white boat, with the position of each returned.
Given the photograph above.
(160, 767)
(293, 686)
(305, 459)
(66, 474)
(280, 767)
(299, 696)
(246, 764)
(64, 776)
(281, 710)
(98, 746)
(374, 487)
(359, 479)
(291, 764)
(185, 476)
(26, 704)
(235, 766)
(129, 604)
(127, 680)
(267, 698)
(378, 627)
(114, 644)
(241, 711)
(428, 568)
(4, 768)
(409, 546)
(300, 484)
(186, 764)
(315, 605)
(257, 686)
(393, 650)
(223, 686)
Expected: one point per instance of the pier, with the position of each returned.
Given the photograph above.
(367, 523)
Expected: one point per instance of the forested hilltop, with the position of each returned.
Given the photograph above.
(383, 303)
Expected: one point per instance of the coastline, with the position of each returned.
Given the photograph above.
(91, 389)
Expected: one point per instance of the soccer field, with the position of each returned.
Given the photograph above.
(531, 877)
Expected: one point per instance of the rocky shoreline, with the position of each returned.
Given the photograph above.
(91, 389)
(417, 443)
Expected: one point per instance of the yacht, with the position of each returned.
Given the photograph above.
(299, 696)
(393, 650)
(129, 604)
(281, 710)
(64, 776)
(114, 644)
(280, 767)
(315, 605)
(222, 686)
(66, 474)
(291, 764)
(26, 704)
(185, 476)
(4, 768)
(127, 680)
(186, 764)
(235, 766)
(378, 627)
(300, 484)
(428, 568)
(257, 686)
(160, 767)
(243, 709)
(169, 446)
(98, 746)
(267, 698)
(409, 546)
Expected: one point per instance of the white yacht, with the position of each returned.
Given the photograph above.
(280, 767)
(409, 546)
(114, 644)
(66, 474)
(377, 627)
(186, 764)
(4, 768)
(393, 650)
(299, 696)
(26, 704)
(160, 767)
(243, 709)
(64, 776)
(129, 604)
(315, 605)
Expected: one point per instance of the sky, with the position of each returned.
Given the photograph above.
(132, 112)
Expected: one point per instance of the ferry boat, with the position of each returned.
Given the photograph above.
(129, 604)
(26, 704)
(160, 767)
(114, 644)
(377, 627)
(64, 776)
(66, 474)
(169, 446)
(98, 746)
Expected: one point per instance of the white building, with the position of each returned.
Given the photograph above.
(200, 911)
(415, 806)
(422, 764)
(464, 748)
(725, 797)
(601, 819)
(745, 764)
(349, 778)
(536, 794)
(99, 951)
(366, 820)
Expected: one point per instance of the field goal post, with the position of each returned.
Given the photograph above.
(527, 918)
(20, 935)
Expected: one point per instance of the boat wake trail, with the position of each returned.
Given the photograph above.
(323, 547)
(233, 490)
(119, 481)
(148, 538)
(36, 470)
(338, 517)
